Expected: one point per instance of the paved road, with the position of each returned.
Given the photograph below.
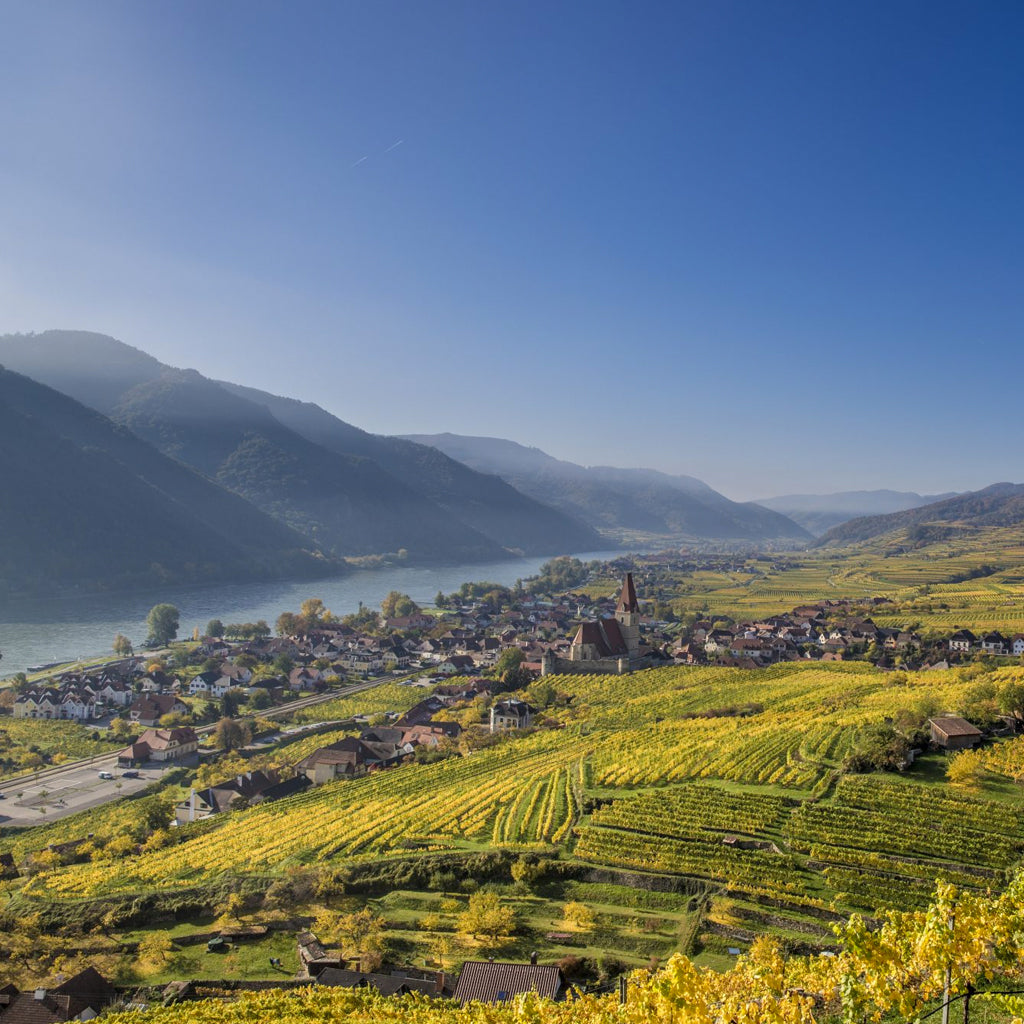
(34, 801)
(56, 792)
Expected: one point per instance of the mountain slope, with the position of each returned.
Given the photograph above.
(484, 501)
(347, 504)
(618, 499)
(820, 512)
(999, 505)
(86, 503)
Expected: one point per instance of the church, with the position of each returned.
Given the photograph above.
(610, 646)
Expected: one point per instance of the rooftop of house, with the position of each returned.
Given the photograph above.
(489, 981)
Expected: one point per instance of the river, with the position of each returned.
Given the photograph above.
(67, 629)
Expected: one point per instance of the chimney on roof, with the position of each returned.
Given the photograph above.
(40, 993)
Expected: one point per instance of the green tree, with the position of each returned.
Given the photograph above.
(542, 693)
(231, 735)
(230, 702)
(122, 646)
(162, 623)
(509, 658)
(1010, 699)
(287, 624)
(878, 748)
(215, 628)
(398, 605)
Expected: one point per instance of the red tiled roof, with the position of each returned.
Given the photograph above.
(605, 635)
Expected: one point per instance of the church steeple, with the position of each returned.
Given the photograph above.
(627, 599)
(628, 614)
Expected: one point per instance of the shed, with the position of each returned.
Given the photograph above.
(951, 732)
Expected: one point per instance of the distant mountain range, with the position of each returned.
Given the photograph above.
(346, 492)
(85, 503)
(996, 506)
(171, 475)
(618, 501)
(820, 512)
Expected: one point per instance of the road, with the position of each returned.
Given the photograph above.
(53, 793)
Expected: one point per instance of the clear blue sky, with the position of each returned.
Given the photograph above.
(774, 245)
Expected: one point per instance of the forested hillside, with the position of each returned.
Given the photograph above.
(87, 504)
(353, 493)
(641, 501)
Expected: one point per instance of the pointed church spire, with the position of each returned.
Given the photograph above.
(627, 599)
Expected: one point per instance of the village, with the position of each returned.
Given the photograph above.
(484, 644)
(483, 664)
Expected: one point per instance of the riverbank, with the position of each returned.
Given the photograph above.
(67, 630)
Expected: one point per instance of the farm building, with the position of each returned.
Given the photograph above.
(953, 733)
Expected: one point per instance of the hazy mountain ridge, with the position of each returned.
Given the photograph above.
(384, 496)
(1000, 504)
(820, 512)
(484, 501)
(86, 503)
(613, 499)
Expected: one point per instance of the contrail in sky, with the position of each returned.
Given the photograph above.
(394, 145)
(361, 160)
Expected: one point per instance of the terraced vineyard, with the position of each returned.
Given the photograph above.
(720, 778)
(881, 842)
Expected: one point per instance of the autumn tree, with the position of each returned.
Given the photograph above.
(122, 646)
(487, 916)
(230, 911)
(155, 950)
(361, 933)
(966, 769)
(578, 916)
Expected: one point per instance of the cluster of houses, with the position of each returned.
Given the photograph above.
(994, 643)
(87, 994)
(246, 790)
(77, 697)
(379, 747)
(128, 689)
(479, 981)
(81, 997)
(803, 633)
(819, 632)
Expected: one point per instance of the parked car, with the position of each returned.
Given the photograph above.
(130, 774)
(106, 775)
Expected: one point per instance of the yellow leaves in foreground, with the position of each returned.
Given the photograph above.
(896, 968)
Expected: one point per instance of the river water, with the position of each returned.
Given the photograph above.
(66, 629)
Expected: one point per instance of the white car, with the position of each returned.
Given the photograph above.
(106, 775)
